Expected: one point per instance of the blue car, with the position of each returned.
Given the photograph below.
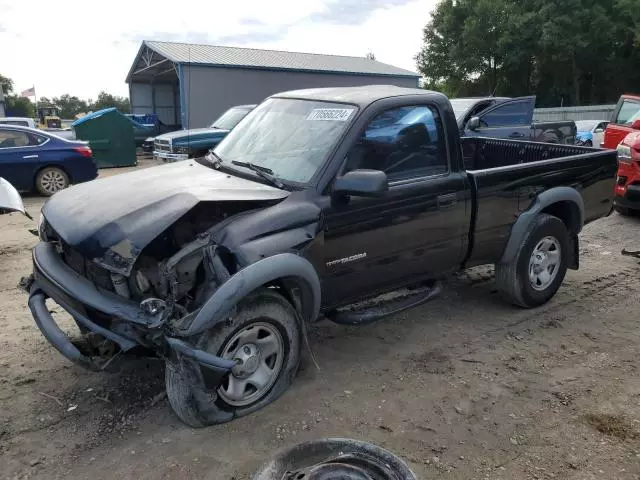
(31, 160)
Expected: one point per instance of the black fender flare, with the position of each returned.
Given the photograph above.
(542, 201)
(277, 267)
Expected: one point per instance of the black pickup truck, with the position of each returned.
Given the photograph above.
(504, 117)
(317, 203)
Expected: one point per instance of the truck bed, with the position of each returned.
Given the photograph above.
(506, 176)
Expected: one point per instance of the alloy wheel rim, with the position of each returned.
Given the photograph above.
(52, 181)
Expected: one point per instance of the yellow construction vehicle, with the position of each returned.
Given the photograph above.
(49, 117)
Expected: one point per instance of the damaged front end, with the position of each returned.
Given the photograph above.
(162, 297)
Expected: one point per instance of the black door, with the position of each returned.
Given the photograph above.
(416, 230)
(511, 119)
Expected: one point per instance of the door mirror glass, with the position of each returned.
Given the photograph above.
(474, 123)
(362, 183)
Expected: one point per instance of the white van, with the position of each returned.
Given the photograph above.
(21, 121)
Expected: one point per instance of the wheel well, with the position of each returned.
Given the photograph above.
(568, 212)
(296, 292)
(59, 167)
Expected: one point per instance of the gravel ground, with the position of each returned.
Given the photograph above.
(466, 387)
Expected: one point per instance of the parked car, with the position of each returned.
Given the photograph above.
(624, 120)
(197, 142)
(503, 117)
(627, 191)
(218, 264)
(20, 121)
(35, 160)
(590, 132)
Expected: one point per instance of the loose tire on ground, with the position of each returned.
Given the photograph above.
(267, 313)
(51, 180)
(513, 278)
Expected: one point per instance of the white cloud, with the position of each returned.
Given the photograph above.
(81, 47)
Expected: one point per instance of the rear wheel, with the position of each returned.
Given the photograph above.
(51, 180)
(264, 340)
(534, 275)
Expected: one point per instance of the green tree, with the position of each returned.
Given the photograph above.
(70, 105)
(6, 84)
(16, 106)
(107, 100)
(565, 51)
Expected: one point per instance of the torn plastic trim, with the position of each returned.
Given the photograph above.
(59, 340)
(238, 286)
(203, 358)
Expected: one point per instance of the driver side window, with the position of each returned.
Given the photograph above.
(404, 142)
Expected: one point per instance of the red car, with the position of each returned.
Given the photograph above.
(623, 134)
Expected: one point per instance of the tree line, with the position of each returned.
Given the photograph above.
(70, 105)
(567, 52)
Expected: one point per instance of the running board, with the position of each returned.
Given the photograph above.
(382, 309)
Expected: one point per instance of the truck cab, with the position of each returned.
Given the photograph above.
(624, 120)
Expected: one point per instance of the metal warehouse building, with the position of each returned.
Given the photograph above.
(193, 84)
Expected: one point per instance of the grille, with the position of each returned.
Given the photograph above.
(162, 146)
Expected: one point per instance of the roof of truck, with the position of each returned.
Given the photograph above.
(361, 96)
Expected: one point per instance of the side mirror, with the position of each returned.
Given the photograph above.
(598, 130)
(10, 200)
(362, 183)
(474, 123)
(636, 124)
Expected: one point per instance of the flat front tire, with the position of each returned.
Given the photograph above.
(264, 339)
(538, 268)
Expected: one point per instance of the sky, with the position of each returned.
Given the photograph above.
(81, 47)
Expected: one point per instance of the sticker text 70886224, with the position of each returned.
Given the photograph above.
(335, 114)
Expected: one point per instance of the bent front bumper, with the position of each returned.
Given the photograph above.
(52, 278)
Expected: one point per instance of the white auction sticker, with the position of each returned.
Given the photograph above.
(335, 114)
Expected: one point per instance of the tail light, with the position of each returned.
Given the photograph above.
(84, 151)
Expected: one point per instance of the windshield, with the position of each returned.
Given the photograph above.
(291, 138)
(586, 125)
(230, 118)
(462, 106)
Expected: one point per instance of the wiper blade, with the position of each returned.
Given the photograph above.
(262, 172)
(214, 159)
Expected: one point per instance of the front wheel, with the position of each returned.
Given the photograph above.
(536, 272)
(264, 340)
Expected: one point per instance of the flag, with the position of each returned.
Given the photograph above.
(29, 92)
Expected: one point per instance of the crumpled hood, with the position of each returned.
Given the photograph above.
(195, 133)
(112, 219)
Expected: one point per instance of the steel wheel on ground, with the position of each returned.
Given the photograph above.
(537, 270)
(51, 180)
(264, 339)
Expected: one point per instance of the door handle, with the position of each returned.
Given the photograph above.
(516, 135)
(30, 156)
(447, 200)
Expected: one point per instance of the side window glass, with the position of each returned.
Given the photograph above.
(11, 139)
(404, 142)
(510, 115)
(36, 140)
(629, 112)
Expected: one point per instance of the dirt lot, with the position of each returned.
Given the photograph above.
(465, 387)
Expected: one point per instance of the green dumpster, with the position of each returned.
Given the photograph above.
(110, 136)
